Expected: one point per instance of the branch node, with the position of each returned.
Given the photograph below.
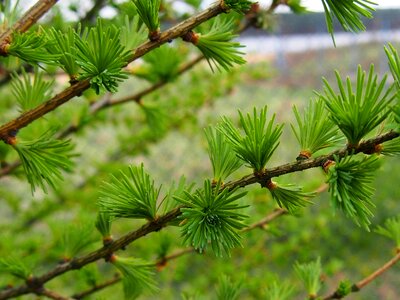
(191, 37)
(11, 138)
(154, 35)
(303, 155)
(327, 164)
(377, 148)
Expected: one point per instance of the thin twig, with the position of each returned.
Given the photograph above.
(97, 287)
(50, 294)
(367, 280)
(269, 218)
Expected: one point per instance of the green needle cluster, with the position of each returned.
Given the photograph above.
(130, 195)
(44, 159)
(350, 187)
(137, 275)
(348, 13)
(217, 45)
(101, 57)
(210, 218)
(358, 110)
(259, 141)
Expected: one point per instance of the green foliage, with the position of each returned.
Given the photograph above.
(394, 63)
(101, 57)
(310, 275)
(10, 13)
(132, 33)
(137, 275)
(344, 289)
(391, 148)
(131, 195)
(315, 130)
(30, 91)
(63, 45)
(289, 196)
(223, 159)
(15, 267)
(148, 13)
(348, 13)
(278, 290)
(260, 140)
(156, 118)
(43, 159)
(358, 112)
(228, 290)
(217, 45)
(240, 6)
(74, 238)
(350, 181)
(391, 230)
(103, 224)
(31, 47)
(176, 190)
(161, 64)
(210, 217)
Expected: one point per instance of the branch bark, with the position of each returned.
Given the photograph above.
(160, 263)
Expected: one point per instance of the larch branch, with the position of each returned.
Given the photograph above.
(12, 127)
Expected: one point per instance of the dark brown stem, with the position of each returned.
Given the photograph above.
(77, 89)
(367, 280)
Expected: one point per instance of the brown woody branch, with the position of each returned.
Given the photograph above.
(162, 262)
(162, 221)
(367, 280)
(366, 147)
(12, 127)
(102, 253)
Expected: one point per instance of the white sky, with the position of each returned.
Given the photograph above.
(316, 5)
